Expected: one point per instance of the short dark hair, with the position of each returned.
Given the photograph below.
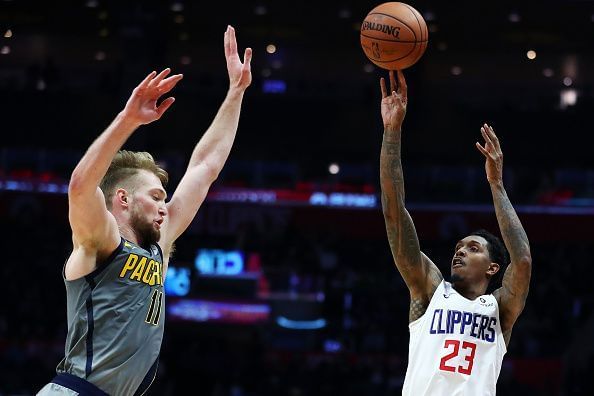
(497, 253)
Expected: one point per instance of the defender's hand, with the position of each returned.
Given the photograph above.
(240, 74)
(141, 107)
(394, 104)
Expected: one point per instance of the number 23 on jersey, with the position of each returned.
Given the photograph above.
(456, 348)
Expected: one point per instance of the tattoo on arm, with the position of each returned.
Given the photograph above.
(507, 336)
(418, 307)
(418, 272)
(516, 279)
(400, 228)
(516, 241)
(513, 233)
(435, 277)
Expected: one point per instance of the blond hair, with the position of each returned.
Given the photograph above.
(124, 165)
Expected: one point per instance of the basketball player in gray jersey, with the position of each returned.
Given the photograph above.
(123, 232)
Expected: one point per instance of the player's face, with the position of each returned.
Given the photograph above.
(148, 209)
(471, 259)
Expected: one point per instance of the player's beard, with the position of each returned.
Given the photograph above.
(144, 230)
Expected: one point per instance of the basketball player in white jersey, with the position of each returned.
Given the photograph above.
(458, 332)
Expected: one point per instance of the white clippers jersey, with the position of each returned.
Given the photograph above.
(456, 347)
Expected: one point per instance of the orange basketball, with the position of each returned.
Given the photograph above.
(394, 36)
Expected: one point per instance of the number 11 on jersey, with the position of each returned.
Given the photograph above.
(154, 312)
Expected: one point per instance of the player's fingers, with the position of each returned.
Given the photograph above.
(168, 80)
(488, 129)
(492, 135)
(155, 81)
(164, 106)
(482, 150)
(226, 40)
(402, 88)
(393, 86)
(485, 135)
(383, 87)
(247, 56)
(147, 79)
(168, 84)
(232, 41)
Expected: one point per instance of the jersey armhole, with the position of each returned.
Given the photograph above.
(415, 324)
(104, 263)
(100, 265)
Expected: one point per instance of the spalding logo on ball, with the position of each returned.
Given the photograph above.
(394, 36)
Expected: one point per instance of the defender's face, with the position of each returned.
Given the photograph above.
(471, 259)
(148, 210)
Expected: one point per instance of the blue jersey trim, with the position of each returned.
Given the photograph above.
(78, 385)
(160, 252)
(90, 328)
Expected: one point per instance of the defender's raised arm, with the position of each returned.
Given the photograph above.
(211, 152)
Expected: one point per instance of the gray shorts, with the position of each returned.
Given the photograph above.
(66, 384)
(55, 389)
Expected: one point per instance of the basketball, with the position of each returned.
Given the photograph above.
(394, 36)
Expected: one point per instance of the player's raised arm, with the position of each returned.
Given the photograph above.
(516, 280)
(92, 225)
(419, 273)
(211, 152)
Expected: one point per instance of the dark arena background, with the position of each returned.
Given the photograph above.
(284, 283)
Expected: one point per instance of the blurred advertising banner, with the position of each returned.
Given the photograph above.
(357, 215)
(433, 222)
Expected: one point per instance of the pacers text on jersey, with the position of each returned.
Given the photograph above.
(143, 269)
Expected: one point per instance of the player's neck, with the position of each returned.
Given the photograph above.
(469, 291)
(127, 232)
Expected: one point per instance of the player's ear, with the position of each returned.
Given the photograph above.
(493, 269)
(121, 197)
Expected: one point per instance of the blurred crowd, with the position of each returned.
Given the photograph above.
(361, 351)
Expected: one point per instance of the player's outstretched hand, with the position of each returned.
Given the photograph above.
(142, 106)
(493, 154)
(394, 102)
(240, 74)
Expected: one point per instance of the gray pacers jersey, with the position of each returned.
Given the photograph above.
(116, 320)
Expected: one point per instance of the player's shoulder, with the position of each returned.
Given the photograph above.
(497, 295)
